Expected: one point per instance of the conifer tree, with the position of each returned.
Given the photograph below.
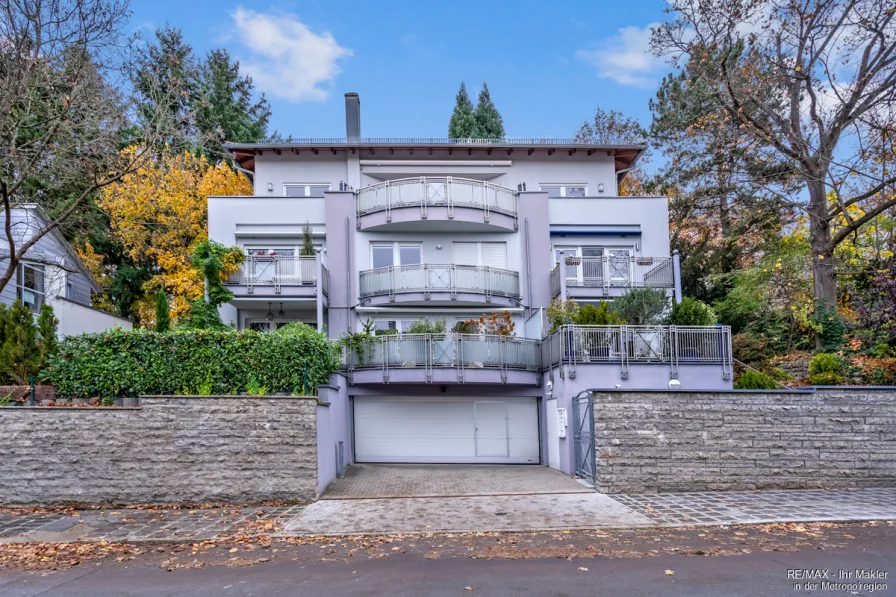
(163, 315)
(489, 123)
(463, 120)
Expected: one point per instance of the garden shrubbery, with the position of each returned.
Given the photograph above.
(120, 363)
(755, 380)
(825, 370)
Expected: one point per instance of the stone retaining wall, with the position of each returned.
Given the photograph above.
(169, 450)
(696, 441)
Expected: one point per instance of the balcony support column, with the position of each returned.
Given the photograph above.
(319, 287)
(562, 276)
(676, 274)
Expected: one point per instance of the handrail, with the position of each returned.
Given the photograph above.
(275, 270)
(428, 278)
(432, 141)
(436, 191)
(606, 272)
(435, 351)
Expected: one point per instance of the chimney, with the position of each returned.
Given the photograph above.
(352, 116)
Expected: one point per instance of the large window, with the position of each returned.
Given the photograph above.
(489, 254)
(565, 190)
(590, 270)
(30, 286)
(301, 189)
(386, 254)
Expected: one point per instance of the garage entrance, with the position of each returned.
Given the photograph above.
(446, 430)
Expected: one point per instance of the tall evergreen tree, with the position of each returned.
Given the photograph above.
(224, 108)
(463, 121)
(163, 312)
(489, 123)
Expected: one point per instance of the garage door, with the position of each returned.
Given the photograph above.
(446, 430)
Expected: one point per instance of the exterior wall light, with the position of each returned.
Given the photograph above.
(270, 187)
(600, 187)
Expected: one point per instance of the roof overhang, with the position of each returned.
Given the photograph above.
(624, 155)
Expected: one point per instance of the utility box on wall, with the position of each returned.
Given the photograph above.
(561, 422)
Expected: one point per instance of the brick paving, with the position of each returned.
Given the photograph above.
(751, 507)
(137, 525)
(448, 480)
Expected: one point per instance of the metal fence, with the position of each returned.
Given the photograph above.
(398, 279)
(444, 191)
(275, 270)
(613, 271)
(626, 344)
(466, 351)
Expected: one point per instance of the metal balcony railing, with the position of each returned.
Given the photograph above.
(426, 278)
(276, 271)
(432, 351)
(625, 344)
(615, 272)
(445, 191)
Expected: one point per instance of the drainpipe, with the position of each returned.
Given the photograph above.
(320, 289)
(528, 272)
(676, 274)
(247, 173)
(562, 269)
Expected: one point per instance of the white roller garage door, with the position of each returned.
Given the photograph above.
(445, 430)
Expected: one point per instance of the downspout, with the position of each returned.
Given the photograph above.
(348, 278)
(247, 173)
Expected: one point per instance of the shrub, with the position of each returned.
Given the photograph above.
(825, 369)
(602, 315)
(561, 313)
(641, 306)
(425, 326)
(25, 345)
(830, 327)
(499, 323)
(754, 380)
(752, 349)
(122, 363)
(690, 311)
(163, 312)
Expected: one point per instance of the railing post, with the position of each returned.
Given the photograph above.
(676, 274)
(605, 273)
(388, 189)
(448, 184)
(674, 349)
(423, 197)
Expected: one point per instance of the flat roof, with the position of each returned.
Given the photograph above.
(624, 154)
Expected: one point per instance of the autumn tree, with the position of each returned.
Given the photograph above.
(159, 213)
(806, 82)
(611, 127)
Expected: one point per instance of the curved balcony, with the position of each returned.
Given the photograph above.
(445, 358)
(451, 284)
(437, 203)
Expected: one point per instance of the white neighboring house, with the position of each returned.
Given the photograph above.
(52, 273)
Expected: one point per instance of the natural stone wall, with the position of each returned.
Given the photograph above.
(696, 441)
(170, 450)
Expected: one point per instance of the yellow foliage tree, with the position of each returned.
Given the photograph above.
(160, 212)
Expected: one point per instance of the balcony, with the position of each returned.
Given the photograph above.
(594, 277)
(278, 275)
(449, 284)
(437, 203)
(445, 358)
(574, 346)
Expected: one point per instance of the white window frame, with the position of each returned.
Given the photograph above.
(40, 296)
(479, 244)
(307, 185)
(563, 186)
(396, 250)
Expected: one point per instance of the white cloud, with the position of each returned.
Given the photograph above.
(288, 59)
(626, 58)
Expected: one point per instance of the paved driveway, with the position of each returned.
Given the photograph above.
(364, 481)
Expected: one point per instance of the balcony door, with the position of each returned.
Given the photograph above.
(269, 264)
(387, 255)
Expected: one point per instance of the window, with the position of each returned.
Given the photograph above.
(489, 254)
(383, 327)
(387, 254)
(563, 190)
(590, 270)
(30, 286)
(316, 189)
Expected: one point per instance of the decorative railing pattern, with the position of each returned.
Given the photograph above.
(443, 191)
(421, 141)
(433, 351)
(625, 344)
(276, 271)
(426, 278)
(615, 272)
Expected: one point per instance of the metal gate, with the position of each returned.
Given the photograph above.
(583, 435)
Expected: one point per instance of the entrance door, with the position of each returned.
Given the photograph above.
(491, 429)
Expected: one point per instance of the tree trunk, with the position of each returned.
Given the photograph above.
(823, 272)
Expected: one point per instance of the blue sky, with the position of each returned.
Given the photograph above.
(547, 63)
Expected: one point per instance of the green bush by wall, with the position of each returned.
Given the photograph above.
(754, 380)
(825, 369)
(295, 359)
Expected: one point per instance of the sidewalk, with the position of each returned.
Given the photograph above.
(455, 514)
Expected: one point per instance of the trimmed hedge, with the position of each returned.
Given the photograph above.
(121, 363)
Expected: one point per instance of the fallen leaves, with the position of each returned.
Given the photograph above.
(670, 572)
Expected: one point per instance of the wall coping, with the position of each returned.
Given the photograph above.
(226, 396)
(804, 390)
(70, 408)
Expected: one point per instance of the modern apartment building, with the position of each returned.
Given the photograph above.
(413, 229)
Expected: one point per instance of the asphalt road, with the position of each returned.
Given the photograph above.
(408, 573)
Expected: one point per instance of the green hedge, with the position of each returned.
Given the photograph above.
(123, 363)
